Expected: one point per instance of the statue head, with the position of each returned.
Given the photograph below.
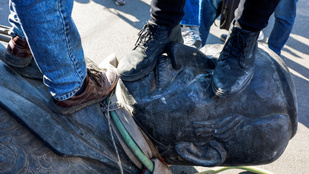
(177, 108)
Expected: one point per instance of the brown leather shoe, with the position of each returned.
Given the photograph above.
(18, 53)
(98, 85)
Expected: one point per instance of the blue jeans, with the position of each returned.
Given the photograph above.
(191, 13)
(285, 14)
(208, 15)
(16, 29)
(252, 16)
(201, 13)
(54, 41)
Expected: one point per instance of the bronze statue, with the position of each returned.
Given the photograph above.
(174, 106)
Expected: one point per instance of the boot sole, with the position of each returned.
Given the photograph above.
(65, 111)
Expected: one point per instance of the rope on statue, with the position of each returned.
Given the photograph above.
(127, 138)
(111, 133)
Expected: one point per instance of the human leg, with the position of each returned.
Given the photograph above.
(56, 46)
(18, 53)
(254, 15)
(16, 29)
(208, 14)
(190, 24)
(285, 14)
(162, 28)
(167, 12)
(235, 66)
(191, 13)
(55, 43)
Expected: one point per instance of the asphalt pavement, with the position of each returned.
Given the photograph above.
(106, 28)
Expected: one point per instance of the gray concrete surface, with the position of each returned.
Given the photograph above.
(106, 28)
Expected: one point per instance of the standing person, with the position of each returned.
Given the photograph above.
(48, 28)
(235, 66)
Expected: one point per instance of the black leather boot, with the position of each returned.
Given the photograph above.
(235, 66)
(151, 43)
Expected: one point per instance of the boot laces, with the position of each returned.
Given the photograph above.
(148, 34)
(236, 45)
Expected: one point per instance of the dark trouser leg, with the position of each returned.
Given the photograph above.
(167, 12)
(253, 15)
(160, 30)
(235, 66)
(285, 15)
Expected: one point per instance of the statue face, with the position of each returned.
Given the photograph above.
(179, 84)
(175, 105)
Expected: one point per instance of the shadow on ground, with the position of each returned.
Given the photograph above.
(129, 8)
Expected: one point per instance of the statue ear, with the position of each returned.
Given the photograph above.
(210, 154)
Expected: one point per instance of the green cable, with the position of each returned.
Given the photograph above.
(130, 142)
(148, 163)
(247, 168)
